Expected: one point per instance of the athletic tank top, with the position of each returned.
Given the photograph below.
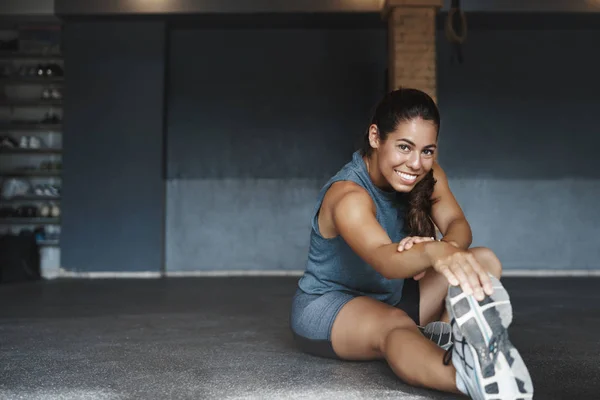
(332, 265)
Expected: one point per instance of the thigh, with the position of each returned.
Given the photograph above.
(362, 325)
(312, 318)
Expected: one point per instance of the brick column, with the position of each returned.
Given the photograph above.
(411, 35)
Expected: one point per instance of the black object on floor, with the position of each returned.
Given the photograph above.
(19, 259)
(218, 338)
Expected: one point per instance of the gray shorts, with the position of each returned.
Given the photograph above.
(312, 316)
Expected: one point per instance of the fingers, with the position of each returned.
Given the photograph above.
(474, 281)
(444, 270)
(458, 268)
(469, 275)
(403, 242)
(419, 276)
(472, 277)
(482, 274)
(420, 239)
(409, 241)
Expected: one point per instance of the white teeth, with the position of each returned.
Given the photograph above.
(407, 177)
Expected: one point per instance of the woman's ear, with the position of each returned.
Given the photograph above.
(374, 136)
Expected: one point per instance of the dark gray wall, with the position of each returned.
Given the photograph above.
(113, 146)
(258, 120)
(517, 142)
(27, 7)
(525, 102)
(265, 104)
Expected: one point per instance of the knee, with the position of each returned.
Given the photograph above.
(488, 260)
(398, 321)
(399, 355)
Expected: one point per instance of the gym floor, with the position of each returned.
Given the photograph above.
(228, 338)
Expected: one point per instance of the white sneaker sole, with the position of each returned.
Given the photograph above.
(499, 369)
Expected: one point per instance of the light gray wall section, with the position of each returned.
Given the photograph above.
(534, 224)
(238, 224)
(264, 224)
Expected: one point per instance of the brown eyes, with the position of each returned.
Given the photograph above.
(405, 147)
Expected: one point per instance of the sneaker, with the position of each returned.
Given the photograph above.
(14, 188)
(24, 142)
(488, 366)
(438, 332)
(7, 142)
(35, 142)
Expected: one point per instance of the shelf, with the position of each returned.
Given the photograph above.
(33, 79)
(30, 127)
(17, 199)
(17, 55)
(31, 103)
(19, 150)
(29, 221)
(49, 243)
(32, 173)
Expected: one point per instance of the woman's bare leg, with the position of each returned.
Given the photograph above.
(367, 329)
(434, 287)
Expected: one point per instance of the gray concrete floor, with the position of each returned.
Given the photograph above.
(219, 338)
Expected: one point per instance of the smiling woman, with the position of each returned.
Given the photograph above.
(405, 163)
(377, 286)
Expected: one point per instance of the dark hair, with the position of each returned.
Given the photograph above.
(397, 106)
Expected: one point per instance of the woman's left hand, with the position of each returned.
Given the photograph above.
(409, 241)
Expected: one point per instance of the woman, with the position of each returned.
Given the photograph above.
(375, 274)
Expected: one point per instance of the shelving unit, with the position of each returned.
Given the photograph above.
(31, 112)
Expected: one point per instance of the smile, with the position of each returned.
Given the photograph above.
(410, 178)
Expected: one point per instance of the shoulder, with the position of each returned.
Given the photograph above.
(438, 173)
(343, 192)
(347, 199)
(345, 202)
(441, 181)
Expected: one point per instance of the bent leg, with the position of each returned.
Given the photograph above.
(367, 329)
(434, 286)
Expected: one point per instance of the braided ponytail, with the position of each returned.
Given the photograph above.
(418, 213)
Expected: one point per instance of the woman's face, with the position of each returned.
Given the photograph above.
(407, 154)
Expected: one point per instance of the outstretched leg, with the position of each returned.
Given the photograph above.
(367, 329)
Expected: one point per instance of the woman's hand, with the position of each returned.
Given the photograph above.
(409, 241)
(462, 269)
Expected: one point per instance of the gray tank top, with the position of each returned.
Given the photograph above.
(332, 265)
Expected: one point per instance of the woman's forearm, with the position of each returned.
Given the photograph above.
(393, 264)
(459, 234)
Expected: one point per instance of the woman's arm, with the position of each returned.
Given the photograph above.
(353, 214)
(447, 214)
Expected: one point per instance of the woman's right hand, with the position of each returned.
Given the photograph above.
(462, 269)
